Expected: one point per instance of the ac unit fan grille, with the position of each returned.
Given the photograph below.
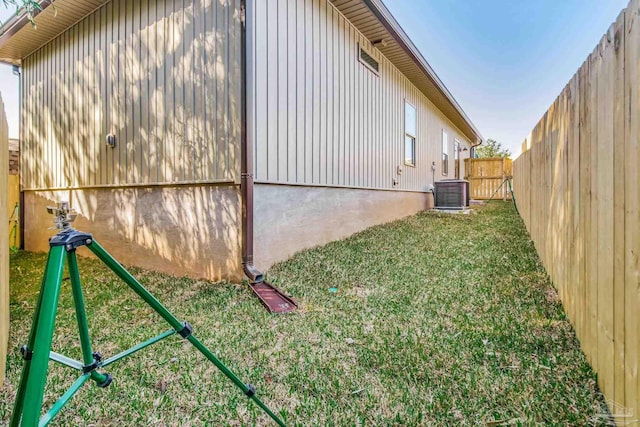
(452, 194)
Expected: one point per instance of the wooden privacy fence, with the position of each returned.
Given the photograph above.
(486, 175)
(4, 242)
(578, 190)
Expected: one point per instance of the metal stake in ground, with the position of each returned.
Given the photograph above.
(37, 352)
(13, 229)
(507, 181)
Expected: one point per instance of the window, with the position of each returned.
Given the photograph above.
(368, 61)
(456, 157)
(410, 132)
(445, 153)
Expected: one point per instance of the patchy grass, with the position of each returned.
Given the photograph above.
(438, 320)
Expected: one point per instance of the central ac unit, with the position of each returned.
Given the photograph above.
(452, 194)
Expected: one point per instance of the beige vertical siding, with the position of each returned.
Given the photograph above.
(320, 117)
(4, 242)
(577, 190)
(161, 75)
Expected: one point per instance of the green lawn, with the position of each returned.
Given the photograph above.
(438, 320)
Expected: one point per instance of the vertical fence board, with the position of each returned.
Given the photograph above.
(592, 261)
(618, 209)
(632, 206)
(4, 243)
(585, 198)
(604, 210)
(575, 275)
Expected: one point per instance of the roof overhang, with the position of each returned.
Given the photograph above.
(375, 22)
(19, 37)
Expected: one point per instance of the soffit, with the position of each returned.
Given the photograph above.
(374, 21)
(19, 38)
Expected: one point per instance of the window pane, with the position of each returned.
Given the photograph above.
(410, 119)
(456, 150)
(445, 143)
(409, 150)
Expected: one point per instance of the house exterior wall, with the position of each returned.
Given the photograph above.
(162, 76)
(291, 218)
(328, 133)
(320, 117)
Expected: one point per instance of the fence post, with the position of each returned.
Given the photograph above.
(504, 176)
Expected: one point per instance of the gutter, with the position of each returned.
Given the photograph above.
(20, 161)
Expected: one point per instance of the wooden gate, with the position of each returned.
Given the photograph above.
(486, 176)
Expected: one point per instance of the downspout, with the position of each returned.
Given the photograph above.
(246, 162)
(472, 149)
(20, 157)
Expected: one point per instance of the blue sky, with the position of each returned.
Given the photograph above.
(505, 61)
(9, 86)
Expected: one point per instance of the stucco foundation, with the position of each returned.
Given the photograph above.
(195, 231)
(289, 219)
(186, 231)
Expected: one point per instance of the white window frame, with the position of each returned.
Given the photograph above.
(445, 153)
(457, 146)
(408, 134)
